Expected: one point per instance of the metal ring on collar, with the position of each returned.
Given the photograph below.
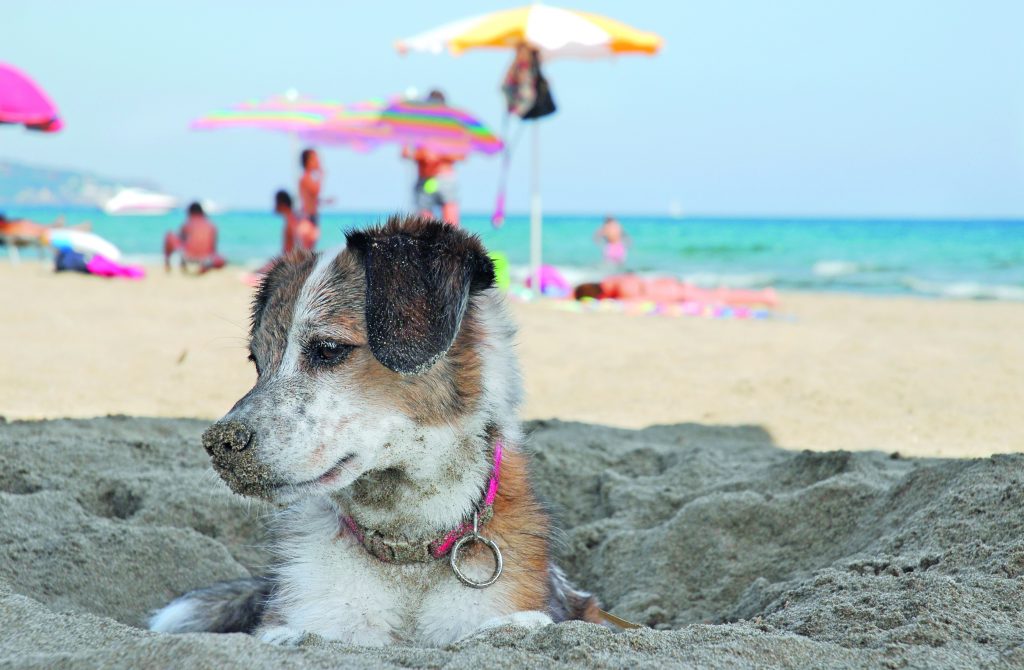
(454, 560)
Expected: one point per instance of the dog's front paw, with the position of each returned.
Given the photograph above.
(282, 636)
(532, 619)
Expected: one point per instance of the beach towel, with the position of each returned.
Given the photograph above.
(104, 267)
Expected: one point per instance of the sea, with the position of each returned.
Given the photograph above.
(968, 259)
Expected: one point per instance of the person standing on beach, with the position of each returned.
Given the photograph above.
(436, 187)
(309, 186)
(197, 242)
(614, 238)
(298, 231)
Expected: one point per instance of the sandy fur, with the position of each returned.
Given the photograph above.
(405, 453)
(329, 585)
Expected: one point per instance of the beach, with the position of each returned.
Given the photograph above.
(782, 426)
(814, 489)
(922, 377)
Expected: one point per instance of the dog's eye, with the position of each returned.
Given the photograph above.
(325, 353)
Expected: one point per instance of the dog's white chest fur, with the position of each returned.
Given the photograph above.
(329, 585)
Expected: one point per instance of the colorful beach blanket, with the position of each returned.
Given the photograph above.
(648, 307)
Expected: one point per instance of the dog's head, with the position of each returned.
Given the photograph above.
(356, 353)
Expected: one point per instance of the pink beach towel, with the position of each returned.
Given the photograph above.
(104, 267)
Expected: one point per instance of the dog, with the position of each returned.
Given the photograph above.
(384, 424)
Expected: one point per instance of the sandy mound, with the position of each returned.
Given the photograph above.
(740, 554)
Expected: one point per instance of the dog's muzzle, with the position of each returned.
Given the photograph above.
(232, 449)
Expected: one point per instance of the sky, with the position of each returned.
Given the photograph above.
(872, 108)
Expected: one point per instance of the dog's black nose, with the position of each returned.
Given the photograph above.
(227, 437)
(234, 454)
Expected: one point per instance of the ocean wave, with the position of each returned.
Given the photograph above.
(970, 290)
(722, 250)
(836, 268)
(832, 269)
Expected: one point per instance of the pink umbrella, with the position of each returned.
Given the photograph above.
(22, 101)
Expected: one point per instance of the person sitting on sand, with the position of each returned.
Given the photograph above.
(615, 240)
(297, 230)
(436, 187)
(197, 242)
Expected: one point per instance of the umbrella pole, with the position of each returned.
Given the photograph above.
(536, 217)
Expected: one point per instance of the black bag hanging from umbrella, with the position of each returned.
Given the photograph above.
(528, 96)
(526, 89)
(544, 102)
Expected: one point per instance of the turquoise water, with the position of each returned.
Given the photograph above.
(968, 259)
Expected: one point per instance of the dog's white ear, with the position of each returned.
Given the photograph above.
(420, 275)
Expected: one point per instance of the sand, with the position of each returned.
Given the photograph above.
(922, 377)
(735, 552)
(735, 547)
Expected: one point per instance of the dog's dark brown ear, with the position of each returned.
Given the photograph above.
(420, 275)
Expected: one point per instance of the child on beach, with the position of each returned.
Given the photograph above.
(298, 230)
(196, 243)
(615, 240)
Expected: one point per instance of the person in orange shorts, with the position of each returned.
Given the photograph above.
(436, 187)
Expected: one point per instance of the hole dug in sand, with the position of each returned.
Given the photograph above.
(739, 553)
(118, 500)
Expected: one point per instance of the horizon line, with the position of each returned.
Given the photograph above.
(881, 218)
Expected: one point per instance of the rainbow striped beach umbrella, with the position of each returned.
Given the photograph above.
(438, 127)
(357, 125)
(290, 113)
(292, 101)
(362, 125)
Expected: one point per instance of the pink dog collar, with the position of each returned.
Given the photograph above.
(390, 550)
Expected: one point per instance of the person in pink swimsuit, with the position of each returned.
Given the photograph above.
(614, 239)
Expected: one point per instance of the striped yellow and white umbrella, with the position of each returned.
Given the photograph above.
(556, 32)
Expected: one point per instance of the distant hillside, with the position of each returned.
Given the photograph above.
(29, 185)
